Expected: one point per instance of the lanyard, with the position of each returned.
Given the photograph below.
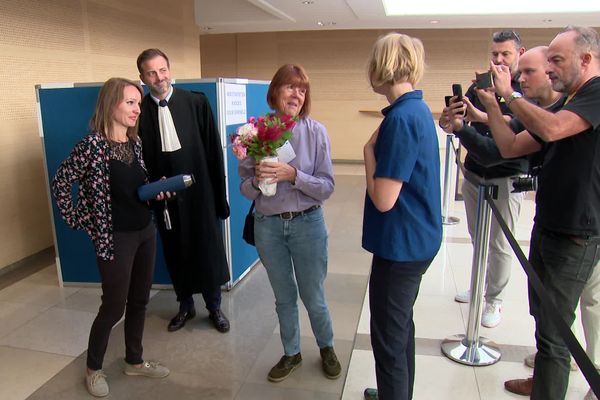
(570, 97)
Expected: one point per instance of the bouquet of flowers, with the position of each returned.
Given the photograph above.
(262, 136)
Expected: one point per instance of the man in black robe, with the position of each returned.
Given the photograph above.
(179, 136)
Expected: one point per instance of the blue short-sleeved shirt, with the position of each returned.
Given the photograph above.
(406, 150)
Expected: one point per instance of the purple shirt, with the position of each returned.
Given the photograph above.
(314, 180)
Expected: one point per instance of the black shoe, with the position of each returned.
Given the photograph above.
(370, 394)
(219, 320)
(180, 319)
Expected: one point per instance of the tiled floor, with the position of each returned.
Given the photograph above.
(44, 328)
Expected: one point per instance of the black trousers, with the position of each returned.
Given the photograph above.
(564, 266)
(212, 299)
(393, 289)
(126, 283)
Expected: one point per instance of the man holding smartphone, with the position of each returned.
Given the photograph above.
(506, 50)
(565, 239)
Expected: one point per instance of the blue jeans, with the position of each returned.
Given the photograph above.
(294, 253)
(393, 289)
(564, 265)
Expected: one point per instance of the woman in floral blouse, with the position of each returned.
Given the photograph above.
(109, 168)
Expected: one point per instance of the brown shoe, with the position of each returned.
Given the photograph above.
(284, 367)
(329, 362)
(520, 386)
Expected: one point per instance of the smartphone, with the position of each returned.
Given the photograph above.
(457, 91)
(484, 80)
(447, 100)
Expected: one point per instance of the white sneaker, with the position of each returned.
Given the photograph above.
(96, 383)
(491, 315)
(530, 362)
(151, 369)
(590, 396)
(463, 297)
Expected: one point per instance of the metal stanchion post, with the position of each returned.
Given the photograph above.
(471, 349)
(448, 220)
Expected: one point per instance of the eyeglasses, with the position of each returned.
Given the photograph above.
(503, 36)
(300, 89)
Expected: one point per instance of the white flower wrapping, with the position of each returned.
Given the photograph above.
(267, 186)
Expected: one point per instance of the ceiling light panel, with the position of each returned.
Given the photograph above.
(471, 7)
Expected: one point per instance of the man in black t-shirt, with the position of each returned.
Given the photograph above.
(565, 239)
(506, 50)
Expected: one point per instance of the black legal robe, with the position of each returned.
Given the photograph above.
(194, 249)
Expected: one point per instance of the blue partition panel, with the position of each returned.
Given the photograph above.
(64, 116)
(243, 254)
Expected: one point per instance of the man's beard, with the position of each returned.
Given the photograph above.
(163, 86)
(565, 85)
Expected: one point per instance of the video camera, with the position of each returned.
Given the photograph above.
(525, 184)
(528, 182)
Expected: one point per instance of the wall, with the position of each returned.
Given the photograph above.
(336, 64)
(69, 41)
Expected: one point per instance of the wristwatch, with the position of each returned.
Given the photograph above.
(513, 96)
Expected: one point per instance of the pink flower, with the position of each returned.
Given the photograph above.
(246, 131)
(262, 136)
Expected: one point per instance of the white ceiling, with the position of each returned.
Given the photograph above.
(232, 16)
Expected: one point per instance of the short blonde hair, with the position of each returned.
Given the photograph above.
(396, 58)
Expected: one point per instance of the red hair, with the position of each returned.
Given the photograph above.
(289, 74)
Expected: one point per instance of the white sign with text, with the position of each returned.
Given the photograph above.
(235, 104)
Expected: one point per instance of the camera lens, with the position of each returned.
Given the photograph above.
(524, 184)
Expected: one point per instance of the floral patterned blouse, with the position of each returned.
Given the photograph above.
(88, 163)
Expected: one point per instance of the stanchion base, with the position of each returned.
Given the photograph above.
(450, 220)
(458, 349)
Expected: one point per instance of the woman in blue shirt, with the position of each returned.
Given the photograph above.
(402, 224)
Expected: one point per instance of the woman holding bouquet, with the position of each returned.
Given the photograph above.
(402, 224)
(289, 229)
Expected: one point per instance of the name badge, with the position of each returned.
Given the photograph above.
(286, 152)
